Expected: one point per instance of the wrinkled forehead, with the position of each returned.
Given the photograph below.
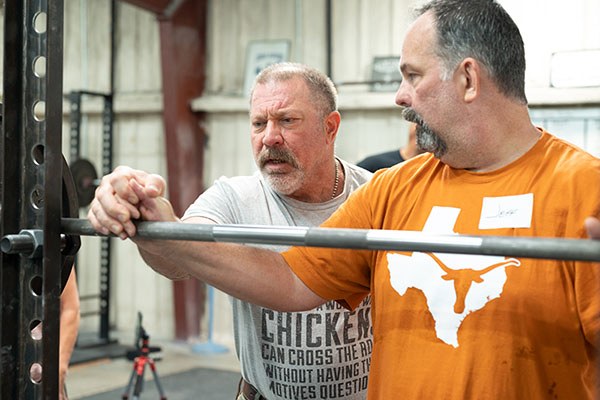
(279, 95)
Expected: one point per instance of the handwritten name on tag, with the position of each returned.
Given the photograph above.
(506, 212)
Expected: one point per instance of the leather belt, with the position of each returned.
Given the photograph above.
(250, 392)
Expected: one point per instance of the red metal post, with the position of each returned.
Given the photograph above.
(183, 54)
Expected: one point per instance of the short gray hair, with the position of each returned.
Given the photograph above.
(481, 29)
(322, 89)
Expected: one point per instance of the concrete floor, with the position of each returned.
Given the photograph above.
(182, 369)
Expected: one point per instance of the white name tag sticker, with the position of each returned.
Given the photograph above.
(506, 212)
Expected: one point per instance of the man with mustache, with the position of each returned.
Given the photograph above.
(524, 328)
(294, 123)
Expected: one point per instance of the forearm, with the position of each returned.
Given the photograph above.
(169, 267)
(69, 326)
(251, 274)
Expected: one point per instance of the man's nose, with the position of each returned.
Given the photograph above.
(402, 96)
(273, 135)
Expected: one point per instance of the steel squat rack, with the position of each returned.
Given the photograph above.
(39, 234)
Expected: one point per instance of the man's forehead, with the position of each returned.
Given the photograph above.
(274, 106)
(421, 30)
(419, 40)
(277, 96)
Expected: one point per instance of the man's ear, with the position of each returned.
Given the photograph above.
(469, 78)
(332, 124)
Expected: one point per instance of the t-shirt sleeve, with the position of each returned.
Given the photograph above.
(216, 203)
(337, 274)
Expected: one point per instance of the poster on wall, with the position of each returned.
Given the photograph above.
(385, 75)
(259, 55)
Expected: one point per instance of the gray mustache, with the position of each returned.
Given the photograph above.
(411, 115)
(276, 155)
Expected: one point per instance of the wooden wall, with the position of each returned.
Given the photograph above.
(360, 30)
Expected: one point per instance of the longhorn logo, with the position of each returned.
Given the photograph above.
(464, 278)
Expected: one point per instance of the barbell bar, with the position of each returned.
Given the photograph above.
(367, 239)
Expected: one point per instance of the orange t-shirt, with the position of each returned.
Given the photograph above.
(450, 326)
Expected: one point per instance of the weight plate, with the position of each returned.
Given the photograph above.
(70, 209)
(85, 177)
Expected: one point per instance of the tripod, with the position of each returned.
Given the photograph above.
(141, 358)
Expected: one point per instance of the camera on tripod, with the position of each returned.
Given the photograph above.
(141, 358)
(141, 343)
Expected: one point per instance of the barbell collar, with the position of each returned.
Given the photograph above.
(366, 239)
(28, 242)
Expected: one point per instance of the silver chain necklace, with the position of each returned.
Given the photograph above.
(336, 182)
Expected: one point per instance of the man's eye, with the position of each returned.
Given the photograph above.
(258, 124)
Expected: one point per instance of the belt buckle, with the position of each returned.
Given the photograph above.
(250, 392)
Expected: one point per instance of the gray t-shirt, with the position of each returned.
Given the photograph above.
(319, 354)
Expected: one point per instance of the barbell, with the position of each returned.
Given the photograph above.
(368, 239)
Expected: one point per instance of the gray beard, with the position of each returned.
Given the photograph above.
(427, 139)
(283, 184)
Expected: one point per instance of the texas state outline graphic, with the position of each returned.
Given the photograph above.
(454, 285)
